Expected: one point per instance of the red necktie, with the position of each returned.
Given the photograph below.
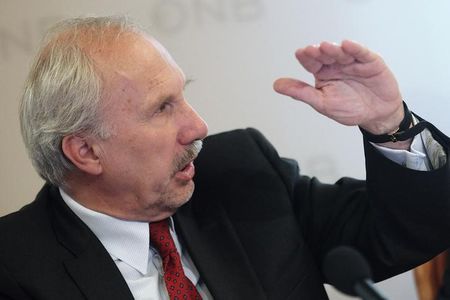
(177, 284)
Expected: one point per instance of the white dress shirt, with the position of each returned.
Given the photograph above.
(128, 243)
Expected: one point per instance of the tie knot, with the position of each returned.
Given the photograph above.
(161, 239)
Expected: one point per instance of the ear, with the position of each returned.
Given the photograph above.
(82, 154)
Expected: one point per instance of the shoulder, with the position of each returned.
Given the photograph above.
(20, 228)
(243, 135)
(38, 205)
(242, 160)
(237, 145)
(245, 149)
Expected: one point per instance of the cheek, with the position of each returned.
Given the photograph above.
(146, 151)
(156, 159)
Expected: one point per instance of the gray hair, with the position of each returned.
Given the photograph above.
(63, 92)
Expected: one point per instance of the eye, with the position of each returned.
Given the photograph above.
(166, 105)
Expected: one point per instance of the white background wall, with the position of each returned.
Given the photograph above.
(235, 49)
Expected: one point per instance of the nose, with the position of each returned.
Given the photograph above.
(193, 126)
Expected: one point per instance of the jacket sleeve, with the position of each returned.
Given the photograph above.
(398, 218)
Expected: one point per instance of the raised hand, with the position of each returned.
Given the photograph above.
(353, 86)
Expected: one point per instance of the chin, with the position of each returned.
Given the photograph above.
(169, 202)
(179, 196)
(187, 194)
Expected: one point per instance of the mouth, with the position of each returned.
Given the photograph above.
(186, 173)
(185, 169)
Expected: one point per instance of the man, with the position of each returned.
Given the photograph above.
(106, 125)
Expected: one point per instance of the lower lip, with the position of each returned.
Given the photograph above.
(187, 173)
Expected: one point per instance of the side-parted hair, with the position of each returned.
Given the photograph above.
(62, 95)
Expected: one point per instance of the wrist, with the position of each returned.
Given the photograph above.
(401, 131)
(398, 145)
(389, 125)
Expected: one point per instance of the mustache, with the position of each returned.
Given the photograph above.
(189, 154)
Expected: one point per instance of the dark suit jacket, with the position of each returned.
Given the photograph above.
(254, 227)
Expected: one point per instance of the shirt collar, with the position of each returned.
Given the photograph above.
(125, 240)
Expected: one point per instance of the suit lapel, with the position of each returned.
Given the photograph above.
(97, 276)
(91, 267)
(218, 254)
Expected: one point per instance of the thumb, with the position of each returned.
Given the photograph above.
(298, 90)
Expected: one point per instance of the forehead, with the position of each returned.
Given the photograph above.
(139, 63)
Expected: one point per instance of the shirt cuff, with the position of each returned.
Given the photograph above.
(415, 158)
(425, 153)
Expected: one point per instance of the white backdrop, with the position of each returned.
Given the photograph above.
(234, 50)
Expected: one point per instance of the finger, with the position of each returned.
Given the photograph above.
(362, 70)
(325, 58)
(359, 52)
(316, 53)
(299, 90)
(335, 51)
(308, 59)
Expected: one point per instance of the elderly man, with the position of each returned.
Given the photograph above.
(106, 124)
